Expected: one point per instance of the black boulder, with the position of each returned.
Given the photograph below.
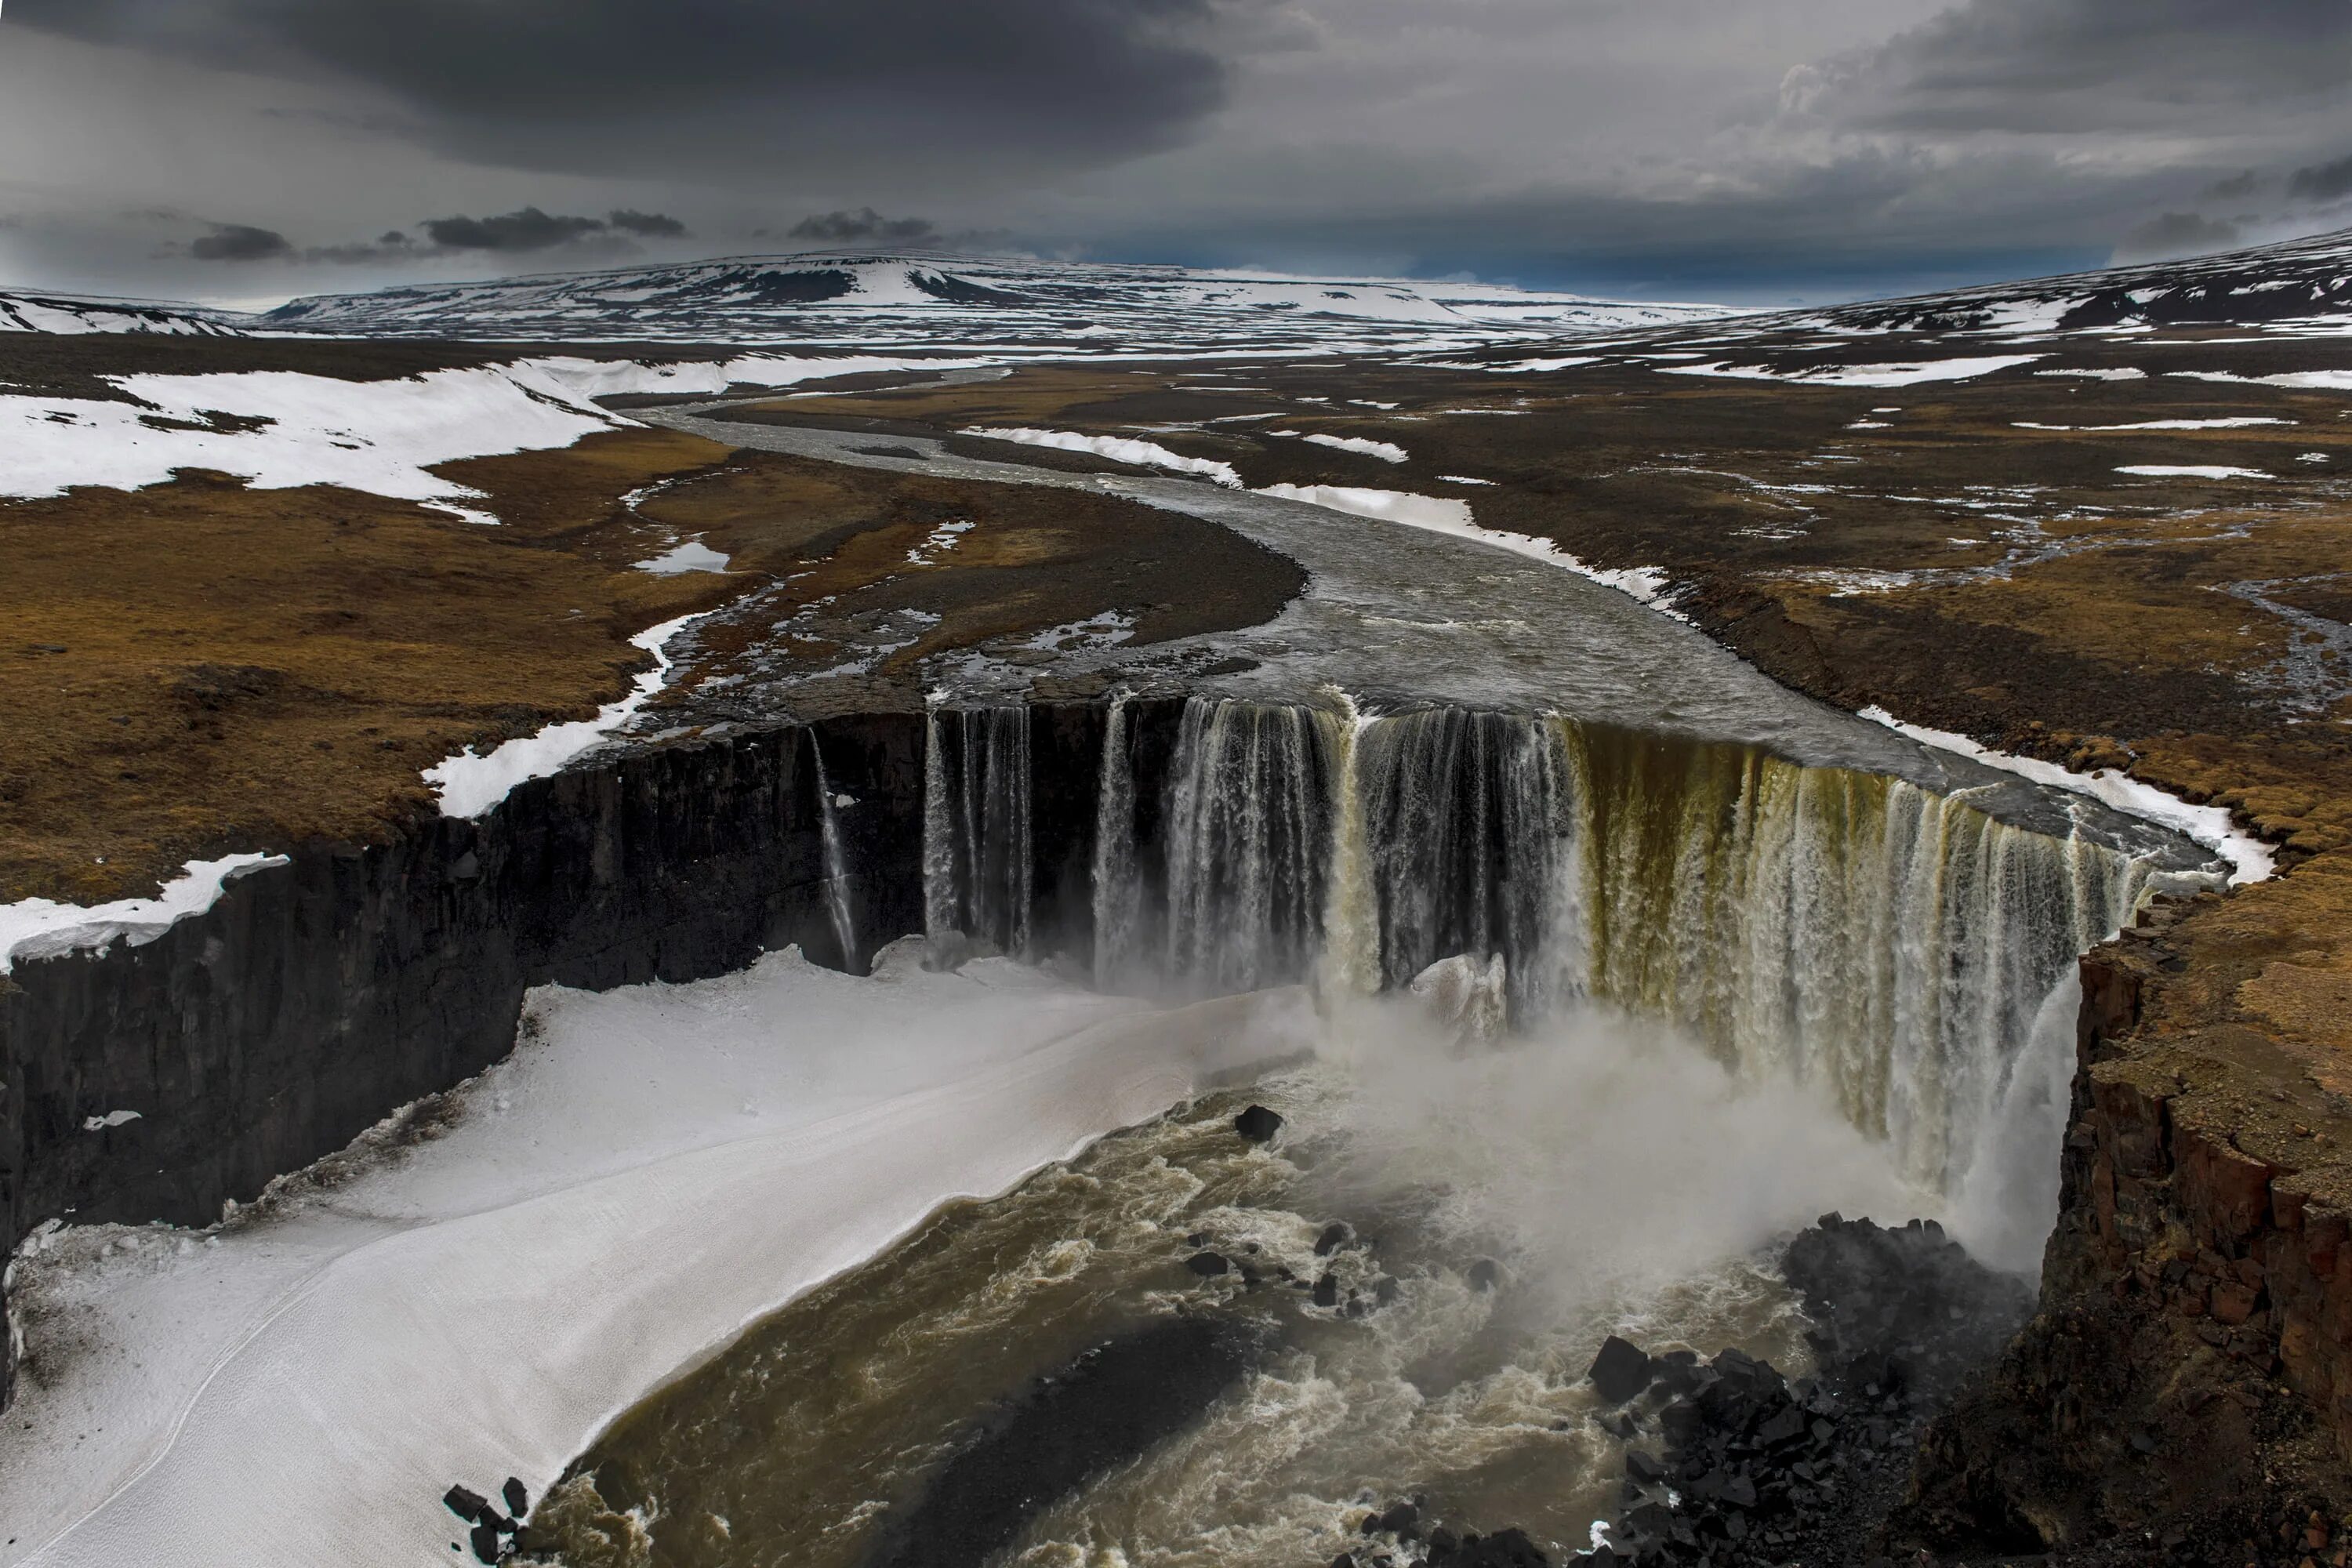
(1621, 1371)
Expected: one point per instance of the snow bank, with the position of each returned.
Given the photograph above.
(470, 782)
(1539, 366)
(2250, 857)
(2191, 471)
(1119, 448)
(2237, 424)
(1863, 374)
(1386, 451)
(39, 928)
(659, 1168)
(2307, 379)
(1441, 514)
(280, 429)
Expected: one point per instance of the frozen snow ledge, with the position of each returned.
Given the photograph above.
(470, 782)
(39, 928)
(2250, 858)
(1443, 514)
(615, 1202)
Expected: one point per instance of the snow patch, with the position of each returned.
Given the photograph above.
(1537, 366)
(469, 783)
(942, 539)
(35, 929)
(1119, 448)
(1386, 451)
(1863, 374)
(2307, 379)
(2250, 857)
(2191, 471)
(282, 429)
(111, 1119)
(692, 556)
(2242, 423)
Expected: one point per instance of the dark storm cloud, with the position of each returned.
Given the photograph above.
(2322, 181)
(522, 232)
(240, 242)
(2086, 65)
(864, 227)
(650, 225)
(588, 84)
(527, 229)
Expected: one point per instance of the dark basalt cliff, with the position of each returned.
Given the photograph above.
(316, 998)
(2184, 1392)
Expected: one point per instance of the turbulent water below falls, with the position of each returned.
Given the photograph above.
(1524, 1201)
(1740, 992)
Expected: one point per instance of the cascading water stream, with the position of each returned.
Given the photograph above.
(836, 864)
(978, 864)
(1117, 878)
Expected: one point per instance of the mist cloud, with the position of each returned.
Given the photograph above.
(2177, 234)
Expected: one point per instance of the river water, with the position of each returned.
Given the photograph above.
(1629, 963)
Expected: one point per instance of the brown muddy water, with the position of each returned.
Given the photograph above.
(1521, 1203)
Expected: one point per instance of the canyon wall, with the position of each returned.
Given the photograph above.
(2187, 1381)
(316, 997)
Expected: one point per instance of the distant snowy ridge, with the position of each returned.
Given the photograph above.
(2291, 288)
(849, 298)
(27, 311)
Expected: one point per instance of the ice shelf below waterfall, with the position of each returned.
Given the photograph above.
(659, 1166)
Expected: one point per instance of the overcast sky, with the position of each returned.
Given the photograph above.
(1746, 150)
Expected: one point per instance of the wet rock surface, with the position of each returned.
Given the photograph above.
(1107, 1407)
(1733, 1463)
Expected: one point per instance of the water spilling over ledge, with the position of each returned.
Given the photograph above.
(1842, 928)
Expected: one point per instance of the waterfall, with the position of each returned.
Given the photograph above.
(1847, 928)
(836, 864)
(977, 861)
(1351, 920)
(1118, 878)
(1851, 931)
(1472, 849)
(1247, 838)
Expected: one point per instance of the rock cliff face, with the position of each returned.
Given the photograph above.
(315, 998)
(2185, 1389)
